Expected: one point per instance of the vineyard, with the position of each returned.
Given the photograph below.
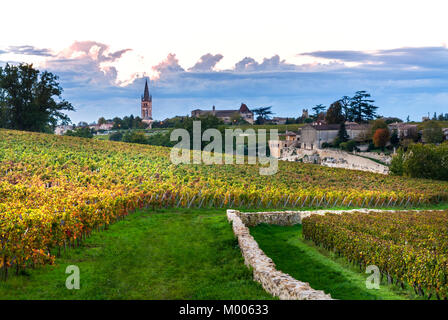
(409, 248)
(55, 190)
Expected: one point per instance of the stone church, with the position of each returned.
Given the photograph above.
(146, 106)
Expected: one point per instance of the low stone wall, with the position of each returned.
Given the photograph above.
(342, 159)
(273, 281)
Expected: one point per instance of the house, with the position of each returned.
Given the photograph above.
(279, 120)
(276, 146)
(357, 131)
(404, 130)
(313, 136)
(60, 130)
(226, 115)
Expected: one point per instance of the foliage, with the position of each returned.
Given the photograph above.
(116, 136)
(378, 124)
(318, 109)
(263, 114)
(56, 190)
(408, 247)
(135, 137)
(342, 135)
(334, 113)
(322, 269)
(348, 146)
(30, 99)
(422, 161)
(432, 132)
(130, 122)
(153, 254)
(381, 138)
(361, 107)
(82, 132)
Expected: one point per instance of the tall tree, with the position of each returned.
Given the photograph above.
(362, 108)
(345, 102)
(263, 114)
(31, 100)
(335, 113)
(318, 109)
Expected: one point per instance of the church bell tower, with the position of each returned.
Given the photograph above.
(146, 104)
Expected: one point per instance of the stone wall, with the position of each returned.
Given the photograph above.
(342, 159)
(275, 282)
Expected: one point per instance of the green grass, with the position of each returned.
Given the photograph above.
(320, 268)
(163, 254)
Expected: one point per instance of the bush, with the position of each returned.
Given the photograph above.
(135, 137)
(116, 136)
(422, 161)
(83, 132)
(326, 145)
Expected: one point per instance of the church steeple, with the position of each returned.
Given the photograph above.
(146, 106)
(146, 96)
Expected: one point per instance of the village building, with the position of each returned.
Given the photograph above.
(313, 136)
(226, 115)
(404, 130)
(279, 120)
(60, 130)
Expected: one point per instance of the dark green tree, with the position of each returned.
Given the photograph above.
(361, 107)
(318, 109)
(30, 99)
(83, 132)
(335, 113)
(345, 102)
(263, 114)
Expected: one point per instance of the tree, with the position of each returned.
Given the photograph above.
(345, 102)
(237, 119)
(381, 137)
(82, 132)
(116, 136)
(408, 119)
(394, 139)
(263, 114)
(432, 132)
(31, 100)
(379, 124)
(135, 137)
(335, 114)
(318, 109)
(101, 121)
(342, 135)
(361, 107)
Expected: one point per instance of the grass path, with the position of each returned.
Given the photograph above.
(166, 254)
(321, 269)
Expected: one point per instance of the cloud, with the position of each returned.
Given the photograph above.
(402, 81)
(206, 63)
(409, 57)
(86, 63)
(168, 66)
(274, 63)
(27, 50)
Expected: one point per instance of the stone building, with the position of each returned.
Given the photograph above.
(146, 106)
(226, 115)
(313, 136)
(404, 130)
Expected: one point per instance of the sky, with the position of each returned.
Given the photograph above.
(290, 55)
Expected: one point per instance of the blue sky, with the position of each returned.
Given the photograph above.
(286, 54)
